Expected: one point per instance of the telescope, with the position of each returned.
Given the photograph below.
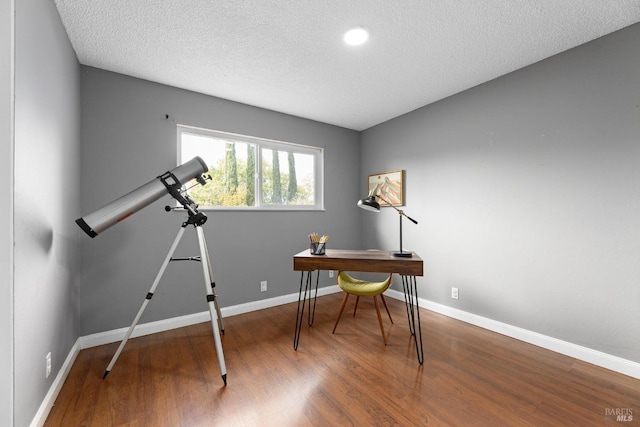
(170, 182)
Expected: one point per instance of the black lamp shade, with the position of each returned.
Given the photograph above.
(369, 204)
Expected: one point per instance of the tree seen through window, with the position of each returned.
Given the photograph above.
(283, 176)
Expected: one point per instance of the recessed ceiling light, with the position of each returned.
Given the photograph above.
(356, 36)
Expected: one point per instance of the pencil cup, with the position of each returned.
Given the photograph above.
(316, 248)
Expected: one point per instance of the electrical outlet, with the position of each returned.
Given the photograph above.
(331, 272)
(454, 293)
(263, 286)
(48, 365)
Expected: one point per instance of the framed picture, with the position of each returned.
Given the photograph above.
(389, 186)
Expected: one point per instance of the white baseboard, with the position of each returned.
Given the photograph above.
(56, 386)
(585, 354)
(108, 337)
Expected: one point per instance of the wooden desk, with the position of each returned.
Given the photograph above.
(360, 260)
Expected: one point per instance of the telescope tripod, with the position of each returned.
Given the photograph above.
(209, 284)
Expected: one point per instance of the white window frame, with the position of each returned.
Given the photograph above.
(260, 143)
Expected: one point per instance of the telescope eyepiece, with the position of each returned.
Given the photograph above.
(202, 179)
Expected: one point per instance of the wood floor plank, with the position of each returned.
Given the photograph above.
(470, 377)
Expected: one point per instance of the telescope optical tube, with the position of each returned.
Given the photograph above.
(122, 208)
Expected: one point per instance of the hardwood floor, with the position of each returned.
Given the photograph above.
(470, 377)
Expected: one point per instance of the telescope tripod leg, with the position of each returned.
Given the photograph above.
(146, 301)
(212, 301)
(212, 282)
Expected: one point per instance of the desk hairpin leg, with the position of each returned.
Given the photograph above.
(410, 289)
(302, 299)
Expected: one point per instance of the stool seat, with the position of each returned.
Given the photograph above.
(361, 288)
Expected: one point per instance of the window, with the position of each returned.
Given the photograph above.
(248, 172)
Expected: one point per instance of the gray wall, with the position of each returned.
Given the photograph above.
(6, 215)
(526, 193)
(127, 141)
(47, 171)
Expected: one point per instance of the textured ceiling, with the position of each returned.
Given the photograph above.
(288, 55)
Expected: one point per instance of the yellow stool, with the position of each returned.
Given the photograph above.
(357, 287)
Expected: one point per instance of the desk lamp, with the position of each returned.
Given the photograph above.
(371, 204)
